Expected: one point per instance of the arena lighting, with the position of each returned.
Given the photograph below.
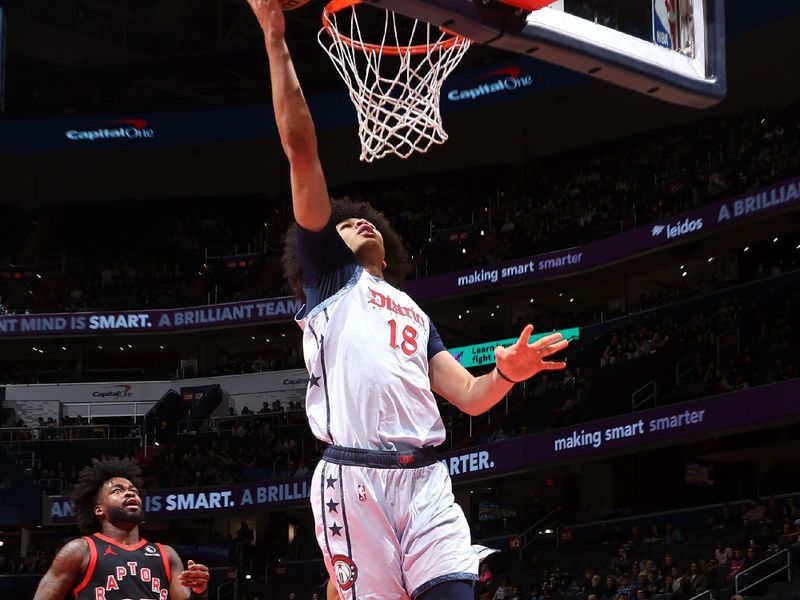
(483, 233)
(775, 240)
(497, 306)
(162, 347)
(746, 248)
(99, 347)
(491, 315)
(710, 259)
(459, 316)
(571, 300)
(39, 276)
(548, 531)
(129, 346)
(248, 576)
(683, 267)
(267, 339)
(41, 351)
(531, 301)
(283, 335)
(463, 251)
(683, 274)
(467, 311)
(35, 349)
(252, 337)
(797, 247)
(63, 348)
(121, 349)
(2, 543)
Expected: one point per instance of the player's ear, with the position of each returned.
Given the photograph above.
(98, 510)
(384, 266)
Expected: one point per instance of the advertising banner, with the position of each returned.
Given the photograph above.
(150, 321)
(608, 250)
(152, 391)
(668, 424)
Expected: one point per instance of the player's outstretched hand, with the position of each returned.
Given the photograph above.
(270, 16)
(522, 360)
(195, 576)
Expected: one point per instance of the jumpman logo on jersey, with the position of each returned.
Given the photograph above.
(109, 552)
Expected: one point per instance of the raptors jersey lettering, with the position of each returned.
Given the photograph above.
(118, 572)
(366, 350)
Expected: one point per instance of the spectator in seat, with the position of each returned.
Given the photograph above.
(503, 590)
(595, 586)
(697, 579)
(486, 578)
(672, 535)
(668, 565)
(621, 560)
(654, 537)
(626, 588)
(755, 513)
(723, 553)
(610, 587)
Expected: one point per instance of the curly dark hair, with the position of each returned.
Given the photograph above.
(396, 255)
(90, 482)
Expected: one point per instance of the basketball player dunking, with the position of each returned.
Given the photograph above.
(113, 562)
(386, 519)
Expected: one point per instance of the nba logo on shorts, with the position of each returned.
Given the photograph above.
(362, 492)
(345, 571)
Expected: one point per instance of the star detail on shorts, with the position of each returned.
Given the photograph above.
(313, 380)
(332, 506)
(335, 529)
(330, 482)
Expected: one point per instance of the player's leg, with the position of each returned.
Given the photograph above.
(450, 590)
(358, 541)
(438, 559)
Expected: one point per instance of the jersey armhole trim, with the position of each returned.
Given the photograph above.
(166, 561)
(331, 299)
(90, 567)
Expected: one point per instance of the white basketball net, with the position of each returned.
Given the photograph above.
(398, 110)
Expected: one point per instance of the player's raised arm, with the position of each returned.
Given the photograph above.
(296, 128)
(64, 574)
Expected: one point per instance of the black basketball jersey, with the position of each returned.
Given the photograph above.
(117, 572)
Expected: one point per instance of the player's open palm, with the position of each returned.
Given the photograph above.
(270, 16)
(522, 360)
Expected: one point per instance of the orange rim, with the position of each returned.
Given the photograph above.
(334, 6)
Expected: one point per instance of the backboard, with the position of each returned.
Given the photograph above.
(673, 50)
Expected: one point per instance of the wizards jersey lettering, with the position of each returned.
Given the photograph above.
(117, 572)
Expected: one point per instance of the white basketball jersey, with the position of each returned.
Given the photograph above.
(366, 351)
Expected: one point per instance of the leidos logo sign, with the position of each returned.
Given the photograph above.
(509, 79)
(131, 129)
(679, 229)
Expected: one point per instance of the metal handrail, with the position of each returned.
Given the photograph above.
(681, 371)
(701, 595)
(523, 537)
(787, 567)
(652, 396)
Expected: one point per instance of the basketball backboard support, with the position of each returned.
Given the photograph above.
(673, 50)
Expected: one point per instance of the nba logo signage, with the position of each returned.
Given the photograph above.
(665, 23)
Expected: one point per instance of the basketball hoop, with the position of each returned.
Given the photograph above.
(395, 83)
